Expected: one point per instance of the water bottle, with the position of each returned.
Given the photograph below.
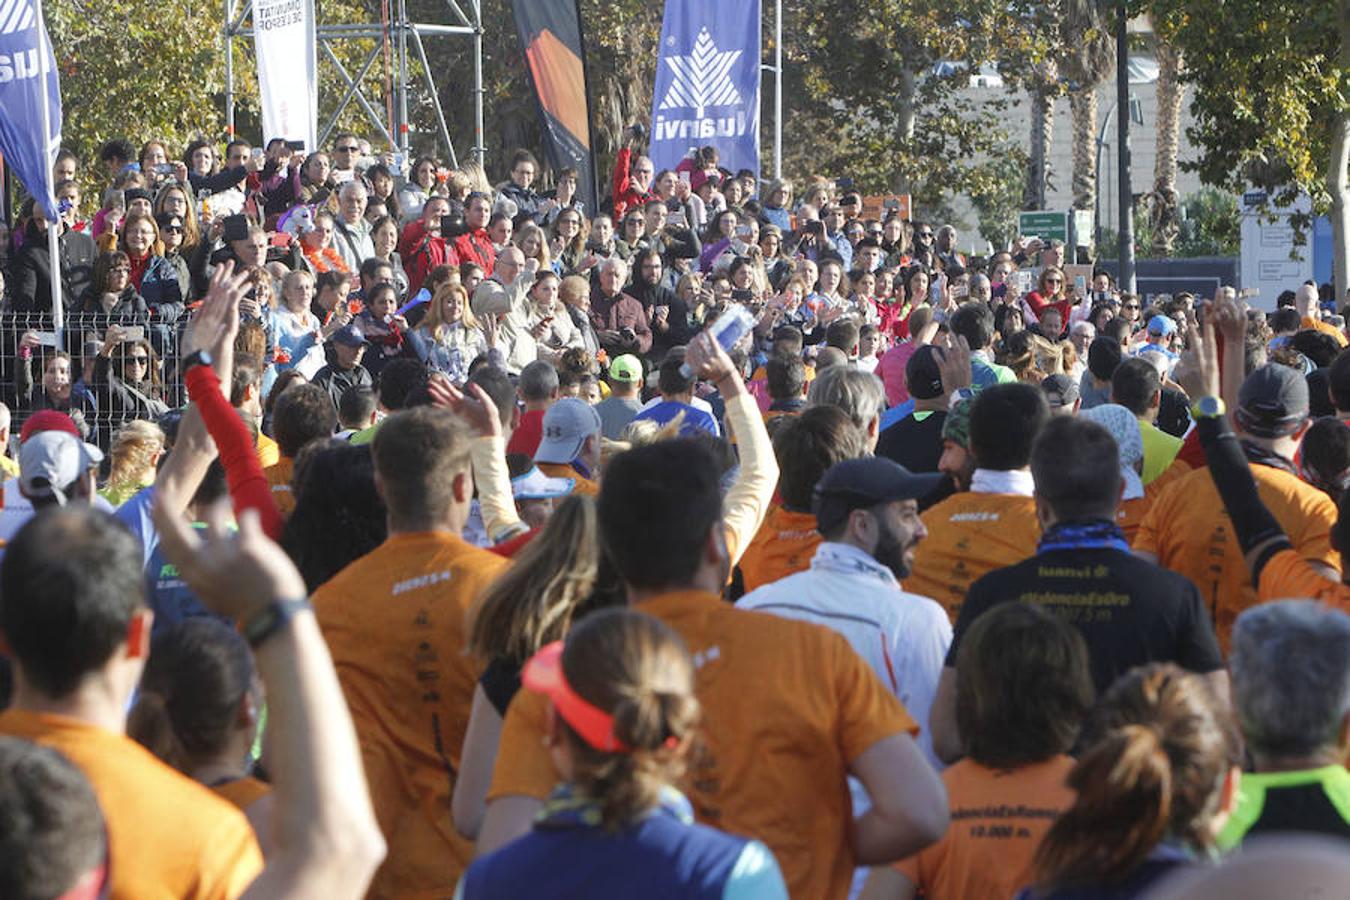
(728, 330)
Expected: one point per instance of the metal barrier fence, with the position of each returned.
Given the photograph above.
(103, 406)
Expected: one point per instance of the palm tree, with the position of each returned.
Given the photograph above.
(1044, 89)
(1165, 215)
(1089, 59)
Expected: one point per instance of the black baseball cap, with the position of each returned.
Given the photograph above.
(923, 376)
(864, 483)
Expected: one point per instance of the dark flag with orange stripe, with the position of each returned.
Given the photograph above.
(551, 39)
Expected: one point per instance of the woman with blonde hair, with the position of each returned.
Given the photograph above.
(449, 337)
(568, 245)
(534, 244)
(178, 199)
(136, 449)
(777, 203)
(623, 725)
(1052, 290)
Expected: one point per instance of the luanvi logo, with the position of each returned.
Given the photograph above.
(701, 82)
(702, 78)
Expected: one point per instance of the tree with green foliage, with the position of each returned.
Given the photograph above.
(1272, 99)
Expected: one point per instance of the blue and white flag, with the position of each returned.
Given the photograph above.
(707, 83)
(25, 52)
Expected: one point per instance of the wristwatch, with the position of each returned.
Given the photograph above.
(197, 358)
(1208, 408)
(271, 619)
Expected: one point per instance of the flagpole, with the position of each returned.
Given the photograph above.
(778, 90)
(53, 227)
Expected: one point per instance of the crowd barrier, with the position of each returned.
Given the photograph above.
(80, 331)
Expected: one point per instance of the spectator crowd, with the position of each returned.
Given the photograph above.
(370, 530)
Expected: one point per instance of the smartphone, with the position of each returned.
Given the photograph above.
(1023, 277)
(677, 219)
(683, 175)
(236, 227)
(133, 333)
(258, 153)
(743, 231)
(742, 295)
(164, 169)
(960, 291)
(46, 338)
(296, 146)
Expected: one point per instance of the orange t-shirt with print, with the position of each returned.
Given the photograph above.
(998, 820)
(279, 478)
(396, 623)
(782, 546)
(1287, 576)
(1131, 513)
(1189, 531)
(168, 836)
(787, 706)
(563, 470)
(970, 535)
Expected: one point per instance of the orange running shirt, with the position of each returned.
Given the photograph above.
(1287, 575)
(269, 453)
(563, 470)
(1189, 531)
(969, 536)
(786, 707)
(1131, 513)
(169, 836)
(395, 621)
(998, 820)
(279, 477)
(242, 792)
(783, 546)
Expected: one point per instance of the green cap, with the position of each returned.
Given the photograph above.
(626, 368)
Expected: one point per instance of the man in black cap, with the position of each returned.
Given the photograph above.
(867, 511)
(1186, 530)
(915, 441)
(346, 371)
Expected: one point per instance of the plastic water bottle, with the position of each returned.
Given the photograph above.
(728, 330)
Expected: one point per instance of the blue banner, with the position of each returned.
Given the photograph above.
(23, 46)
(707, 83)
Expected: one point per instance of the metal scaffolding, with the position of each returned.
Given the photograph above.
(395, 38)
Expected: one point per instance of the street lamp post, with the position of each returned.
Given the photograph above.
(1126, 192)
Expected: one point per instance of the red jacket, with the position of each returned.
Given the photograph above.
(421, 252)
(625, 195)
(476, 247)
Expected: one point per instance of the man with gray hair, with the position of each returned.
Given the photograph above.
(351, 231)
(619, 320)
(1291, 689)
(859, 394)
(505, 299)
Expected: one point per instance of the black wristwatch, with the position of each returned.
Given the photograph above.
(271, 619)
(197, 358)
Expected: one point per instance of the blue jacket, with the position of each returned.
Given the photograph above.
(663, 857)
(161, 290)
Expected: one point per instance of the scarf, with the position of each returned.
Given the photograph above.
(843, 559)
(567, 807)
(1261, 456)
(1094, 535)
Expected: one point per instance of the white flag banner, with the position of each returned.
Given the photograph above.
(288, 87)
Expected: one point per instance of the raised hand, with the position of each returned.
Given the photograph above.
(473, 405)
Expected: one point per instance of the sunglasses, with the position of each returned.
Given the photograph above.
(1131, 305)
(351, 149)
(139, 360)
(172, 229)
(1054, 281)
